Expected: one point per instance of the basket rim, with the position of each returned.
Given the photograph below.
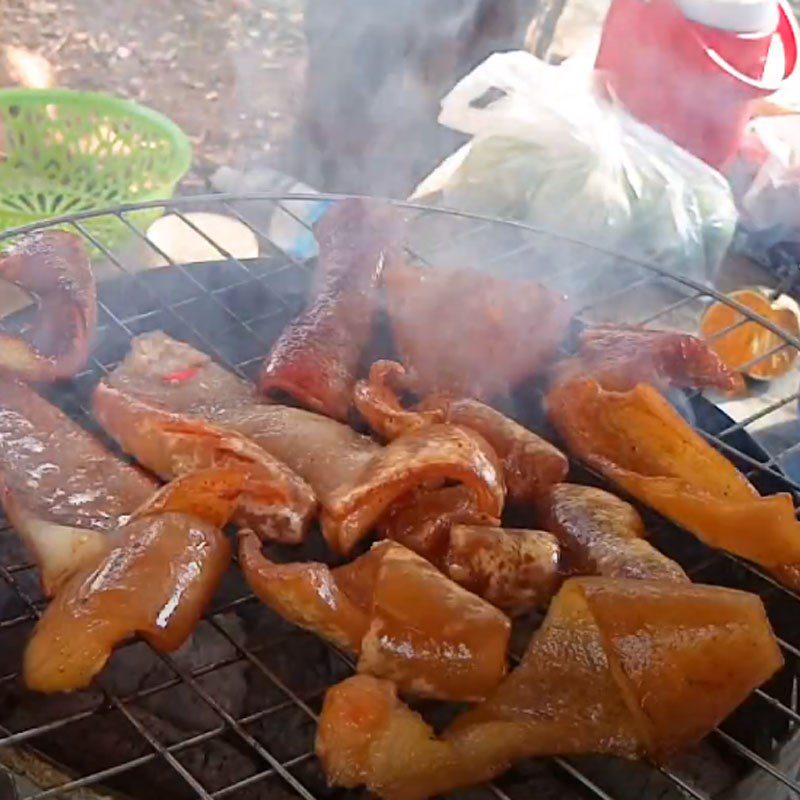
(182, 156)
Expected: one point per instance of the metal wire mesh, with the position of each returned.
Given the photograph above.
(263, 740)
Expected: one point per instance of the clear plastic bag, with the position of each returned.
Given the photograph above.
(549, 151)
(771, 199)
(766, 184)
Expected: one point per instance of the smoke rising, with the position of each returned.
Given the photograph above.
(376, 74)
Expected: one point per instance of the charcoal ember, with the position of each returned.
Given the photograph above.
(292, 662)
(294, 670)
(231, 589)
(12, 550)
(137, 667)
(309, 773)
(534, 778)
(13, 607)
(98, 737)
(8, 788)
(288, 733)
(13, 637)
(101, 737)
(703, 767)
(134, 668)
(522, 628)
(104, 742)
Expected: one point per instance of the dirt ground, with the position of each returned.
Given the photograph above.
(229, 72)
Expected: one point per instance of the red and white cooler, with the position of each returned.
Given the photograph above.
(692, 69)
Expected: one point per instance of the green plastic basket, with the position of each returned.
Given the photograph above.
(64, 152)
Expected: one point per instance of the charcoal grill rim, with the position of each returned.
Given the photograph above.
(279, 199)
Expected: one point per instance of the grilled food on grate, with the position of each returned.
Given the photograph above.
(633, 436)
(316, 358)
(530, 463)
(582, 686)
(279, 506)
(602, 535)
(422, 519)
(354, 478)
(463, 333)
(621, 357)
(406, 621)
(629, 668)
(62, 490)
(516, 570)
(54, 266)
(431, 457)
(156, 579)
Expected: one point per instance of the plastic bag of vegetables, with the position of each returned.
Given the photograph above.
(549, 151)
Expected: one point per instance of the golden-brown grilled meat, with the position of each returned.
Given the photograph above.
(355, 479)
(513, 569)
(621, 667)
(620, 357)
(277, 504)
(431, 456)
(406, 620)
(421, 521)
(156, 579)
(640, 442)
(530, 464)
(516, 570)
(316, 357)
(602, 535)
(609, 415)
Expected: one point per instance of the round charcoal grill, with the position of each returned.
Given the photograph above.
(233, 714)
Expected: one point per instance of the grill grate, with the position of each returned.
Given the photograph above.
(263, 740)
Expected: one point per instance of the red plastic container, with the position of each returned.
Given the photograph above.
(694, 83)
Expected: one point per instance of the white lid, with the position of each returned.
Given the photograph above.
(738, 16)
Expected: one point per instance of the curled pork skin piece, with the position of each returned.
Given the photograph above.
(421, 521)
(316, 357)
(354, 478)
(277, 504)
(405, 620)
(464, 333)
(530, 463)
(156, 580)
(61, 489)
(427, 457)
(54, 266)
(602, 535)
(515, 570)
(582, 687)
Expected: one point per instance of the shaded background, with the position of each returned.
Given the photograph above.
(234, 73)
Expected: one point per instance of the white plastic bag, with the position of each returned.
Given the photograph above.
(766, 184)
(547, 150)
(772, 199)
